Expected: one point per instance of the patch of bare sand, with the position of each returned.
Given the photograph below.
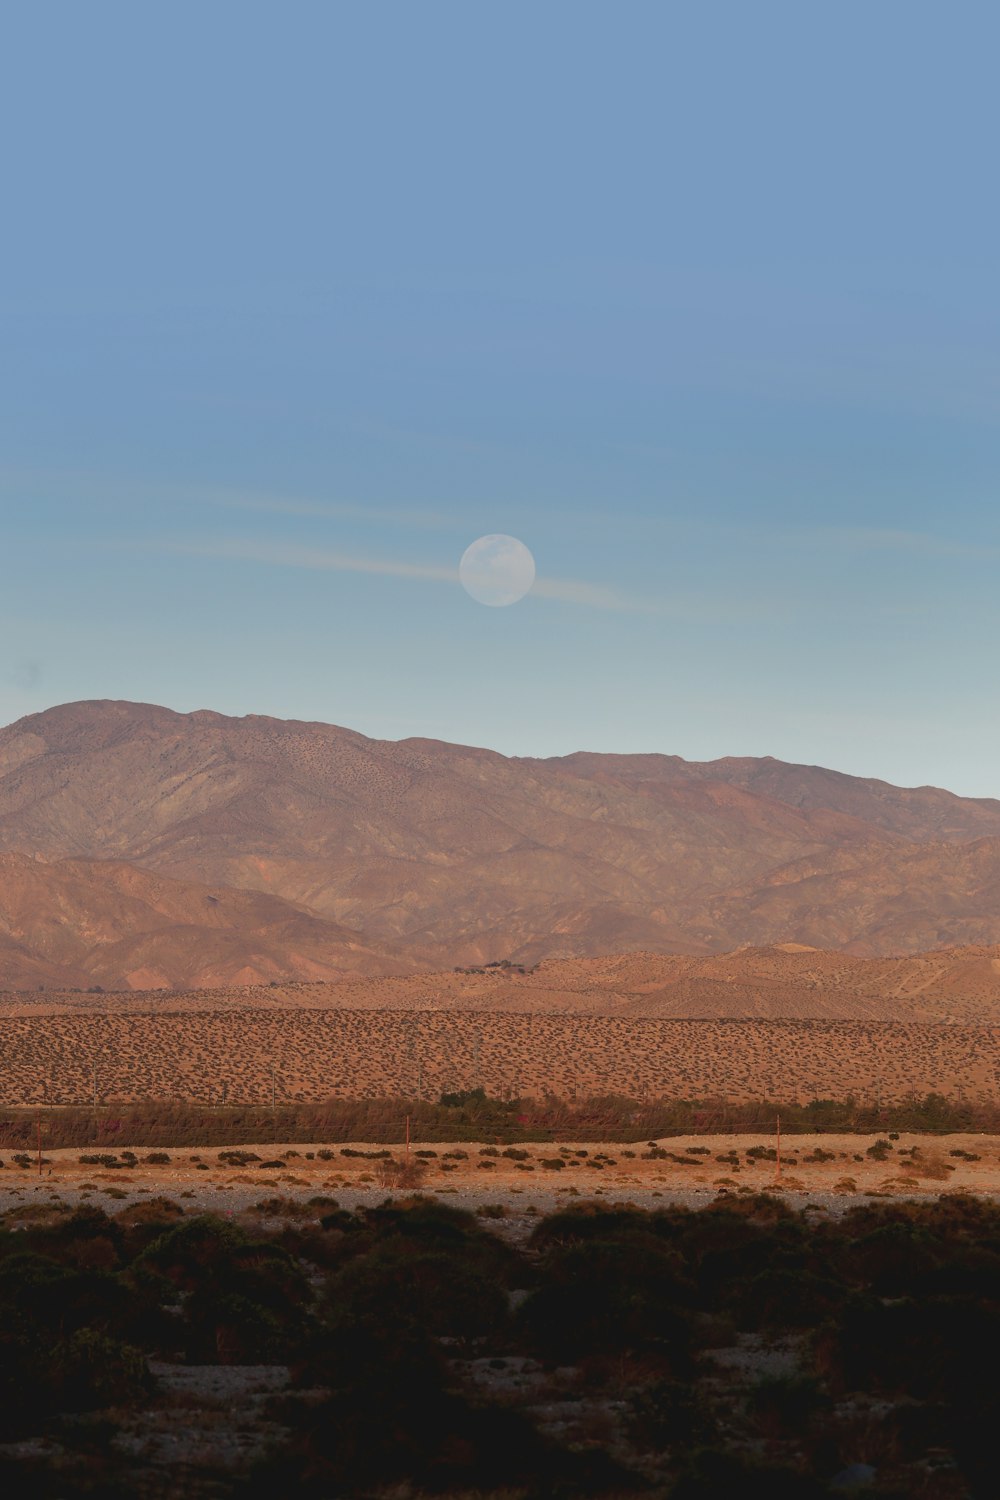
(829, 1169)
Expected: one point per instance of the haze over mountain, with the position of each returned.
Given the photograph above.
(425, 853)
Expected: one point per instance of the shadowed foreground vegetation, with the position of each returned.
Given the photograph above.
(412, 1350)
(473, 1115)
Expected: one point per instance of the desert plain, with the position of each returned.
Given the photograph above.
(786, 1022)
(828, 1170)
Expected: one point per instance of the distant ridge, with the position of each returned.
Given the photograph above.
(950, 986)
(430, 855)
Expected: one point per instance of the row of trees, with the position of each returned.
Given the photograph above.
(473, 1114)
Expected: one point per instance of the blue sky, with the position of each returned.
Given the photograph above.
(699, 301)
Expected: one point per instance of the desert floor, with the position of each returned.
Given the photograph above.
(317, 1055)
(831, 1171)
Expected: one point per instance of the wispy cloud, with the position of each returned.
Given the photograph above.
(294, 555)
(329, 510)
(593, 595)
(322, 559)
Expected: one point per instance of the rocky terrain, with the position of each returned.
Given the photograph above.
(426, 855)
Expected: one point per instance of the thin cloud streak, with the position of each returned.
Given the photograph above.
(292, 555)
(332, 510)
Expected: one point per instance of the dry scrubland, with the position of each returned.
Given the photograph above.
(396, 1348)
(783, 981)
(317, 1054)
(273, 1177)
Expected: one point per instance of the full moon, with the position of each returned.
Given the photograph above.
(497, 570)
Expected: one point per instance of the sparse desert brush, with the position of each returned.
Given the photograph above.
(930, 1164)
(25, 1212)
(150, 1211)
(281, 1208)
(400, 1174)
(845, 1185)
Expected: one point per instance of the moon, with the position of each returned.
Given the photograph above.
(497, 570)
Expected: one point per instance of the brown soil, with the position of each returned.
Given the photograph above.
(318, 1054)
(588, 1170)
(783, 981)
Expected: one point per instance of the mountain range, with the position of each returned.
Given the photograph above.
(145, 848)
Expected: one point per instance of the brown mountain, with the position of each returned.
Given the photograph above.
(80, 923)
(454, 855)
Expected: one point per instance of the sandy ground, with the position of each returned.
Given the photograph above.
(915, 1166)
(321, 1054)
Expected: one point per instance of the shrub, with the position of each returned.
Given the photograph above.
(606, 1296)
(402, 1174)
(397, 1285)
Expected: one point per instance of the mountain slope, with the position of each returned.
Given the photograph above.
(459, 855)
(80, 923)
